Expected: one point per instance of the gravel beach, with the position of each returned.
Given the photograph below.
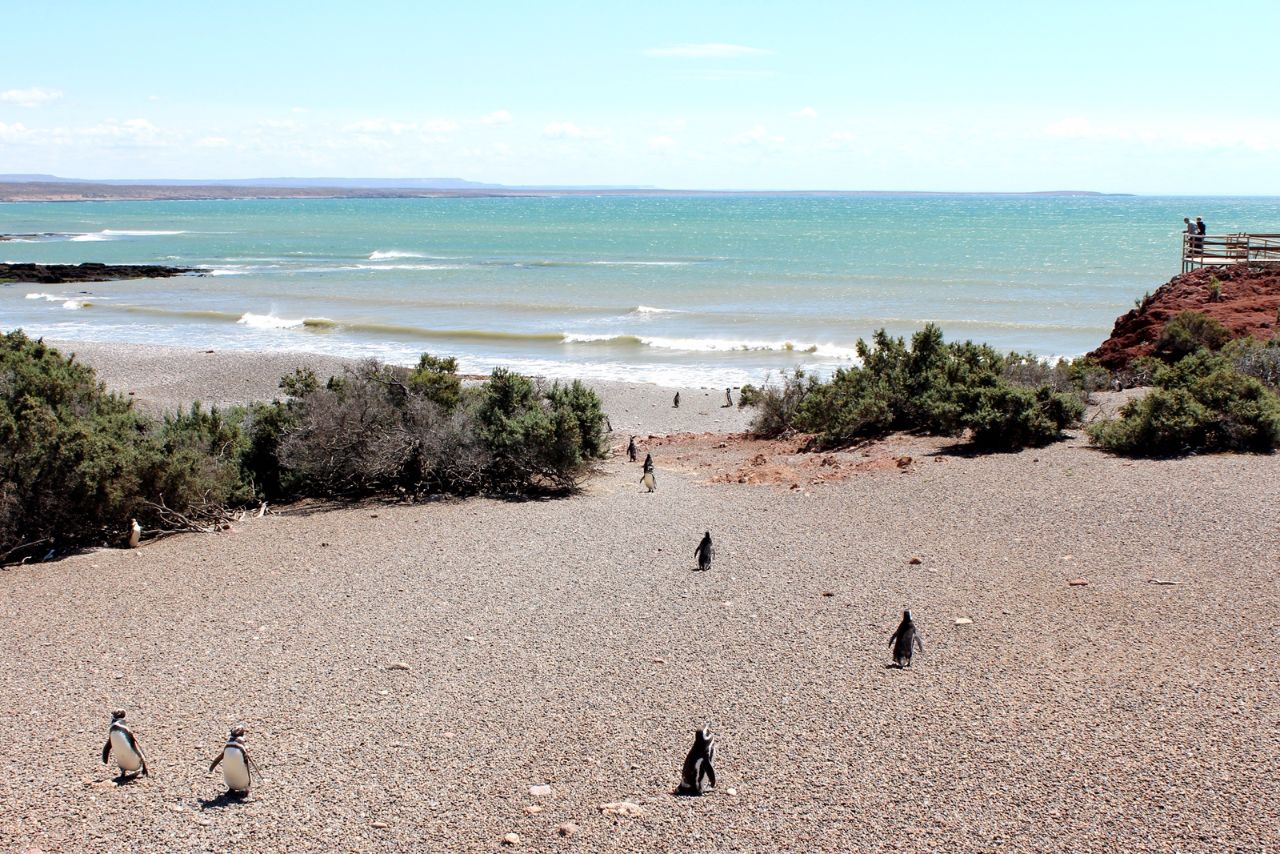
(408, 674)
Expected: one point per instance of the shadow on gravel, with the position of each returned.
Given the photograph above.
(225, 799)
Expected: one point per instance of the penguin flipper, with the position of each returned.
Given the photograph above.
(711, 772)
(106, 751)
(919, 645)
(216, 760)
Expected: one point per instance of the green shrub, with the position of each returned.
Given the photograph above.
(930, 387)
(1255, 358)
(436, 379)
(777, 406)
(1201, 402)
(1187, 332)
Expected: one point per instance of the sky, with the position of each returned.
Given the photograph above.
(1164, 98)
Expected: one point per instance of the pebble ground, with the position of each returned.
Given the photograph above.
(569, 643)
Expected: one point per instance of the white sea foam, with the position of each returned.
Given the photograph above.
(224, 271)
(639, 263)
(46, 297)
(269, 321)
(409, 267)
(89, 238)
(74, 304)
(383, 255)
(122, 232)
(649, 309)
(713, 345)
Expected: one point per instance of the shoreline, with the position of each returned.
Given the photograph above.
(161, 379)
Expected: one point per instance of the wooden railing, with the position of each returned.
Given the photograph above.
(1210, 250)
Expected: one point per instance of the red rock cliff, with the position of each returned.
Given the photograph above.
(1247, 304)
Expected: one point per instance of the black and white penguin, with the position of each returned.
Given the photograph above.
(122, 743)
(237, 767)
(902, 640)
(648, 462)
(675, 402)
(705, 552)
(135, 533)
(631, 449)
(728, 398)
(699, 764)
(649, 481)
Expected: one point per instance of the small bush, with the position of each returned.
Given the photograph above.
(1257, 359)
(436, 379)
(930, 387)
(1200, 403)
(777, 406)
(1187, 332)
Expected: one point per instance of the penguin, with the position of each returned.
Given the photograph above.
(699, 764)
(135, 533)
(728, 398)
(237, 767)
(121, 742)
(704, 553)
(631, 449)
(902, 639)
(649, 481)
(675, 402)
(648, 462)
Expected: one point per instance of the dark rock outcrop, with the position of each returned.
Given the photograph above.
(1246, 302)
(57, 274)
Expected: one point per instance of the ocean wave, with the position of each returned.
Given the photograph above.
(712, 345)
(46, 297)
(387, 254)
(75, 304)
(124, 232)
(273, 321)
(89, 238)
(224, 271)
(409, 267)
(649, 309)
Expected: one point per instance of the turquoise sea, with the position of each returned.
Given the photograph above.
(670, 289)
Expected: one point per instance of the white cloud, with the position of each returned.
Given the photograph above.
(758, 135)
(497, 117)
(661, 143)
(32, 97)
(213, 142)
(805, 113)
(13, 132)
(709, 50)
(439, 126)
(568, 130)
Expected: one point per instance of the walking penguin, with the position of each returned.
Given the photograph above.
(650, 482)
(728, 398)
(705, 552)
(902, 640)
(698, 765)
(237, 767)
(631, 449)
(121, 742)
(675, 401)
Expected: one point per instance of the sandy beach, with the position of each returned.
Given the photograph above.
(567, 643)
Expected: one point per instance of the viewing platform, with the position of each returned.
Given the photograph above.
(1218, 250)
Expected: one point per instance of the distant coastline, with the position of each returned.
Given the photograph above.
(48, 188)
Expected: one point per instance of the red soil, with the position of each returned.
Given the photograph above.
(739, 458)
(1247, 305)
